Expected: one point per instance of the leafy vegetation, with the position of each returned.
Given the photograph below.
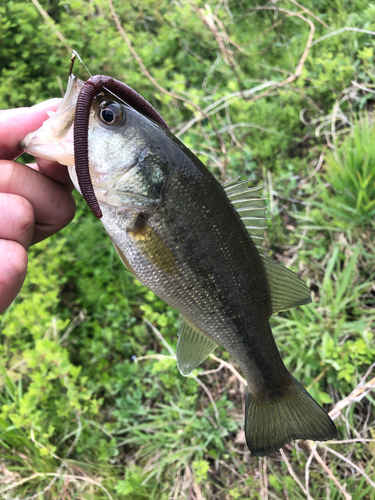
(92, 404)
(350, 170)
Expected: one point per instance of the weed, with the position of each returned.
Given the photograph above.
(351, 172)
(79, 418)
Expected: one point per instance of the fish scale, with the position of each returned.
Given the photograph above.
(195, 244)
(220, 310)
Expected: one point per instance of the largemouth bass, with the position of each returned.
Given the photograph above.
(186, 237)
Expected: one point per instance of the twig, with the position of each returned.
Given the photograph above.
(293, 474)
(342, 30)
(22, 481)
(300, 184)
(233, 471)
(154, 82)
(224, 101)
(160, 337)
(369, 370)
(40, 445)
(349, 462)
(210, 71)
(222, 38)
(358, 393)
(307, 471)
(215, 370)
(204, 387)
(265, 478)
(231, 130)
(232, 126)
(81, 478)
(270, 85)
(307, 98)
(356, 440)
(362, 87)
(80, 318)
(316, 379)
(270, 190)
(16, 365)
(298, 70)
(353, 396)
(310, 13)
(52, 24)
(318, 458)
(153, 356)
(230, 367)
(49, 485)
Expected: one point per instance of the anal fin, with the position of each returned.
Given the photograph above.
(152, 246)
(193, 347)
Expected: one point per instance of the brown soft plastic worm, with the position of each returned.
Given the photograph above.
(90, 89)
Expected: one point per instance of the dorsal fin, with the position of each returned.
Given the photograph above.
(287, 290)
(250, 207)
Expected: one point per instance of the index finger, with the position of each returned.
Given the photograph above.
(15, 124)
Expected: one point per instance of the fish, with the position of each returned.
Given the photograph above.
(197, 244)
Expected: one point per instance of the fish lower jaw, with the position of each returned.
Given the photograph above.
(47, 151)
(73, 177)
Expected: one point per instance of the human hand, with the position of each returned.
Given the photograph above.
(35, 202)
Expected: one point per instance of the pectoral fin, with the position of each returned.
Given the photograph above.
(153, 247)
(193, 347)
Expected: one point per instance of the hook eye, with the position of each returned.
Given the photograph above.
(111, 113)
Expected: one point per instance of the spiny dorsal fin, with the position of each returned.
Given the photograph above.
(287, 290)
(192, 348)
(251, 208)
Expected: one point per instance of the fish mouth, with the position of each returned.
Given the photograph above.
(54, 139)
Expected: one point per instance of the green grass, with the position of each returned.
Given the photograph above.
(92, 403)
(350, 169)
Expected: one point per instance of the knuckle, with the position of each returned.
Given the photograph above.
(19, 261)
(7, 175)
(13, 262)
(25, 217)
(13, 267)
(70, 210)
(65, 211)
(18, 218)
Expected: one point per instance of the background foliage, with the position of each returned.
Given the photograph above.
(92, 405)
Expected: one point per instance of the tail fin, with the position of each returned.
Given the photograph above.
(272, 422)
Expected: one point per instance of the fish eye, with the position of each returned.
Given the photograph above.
(111, 113)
